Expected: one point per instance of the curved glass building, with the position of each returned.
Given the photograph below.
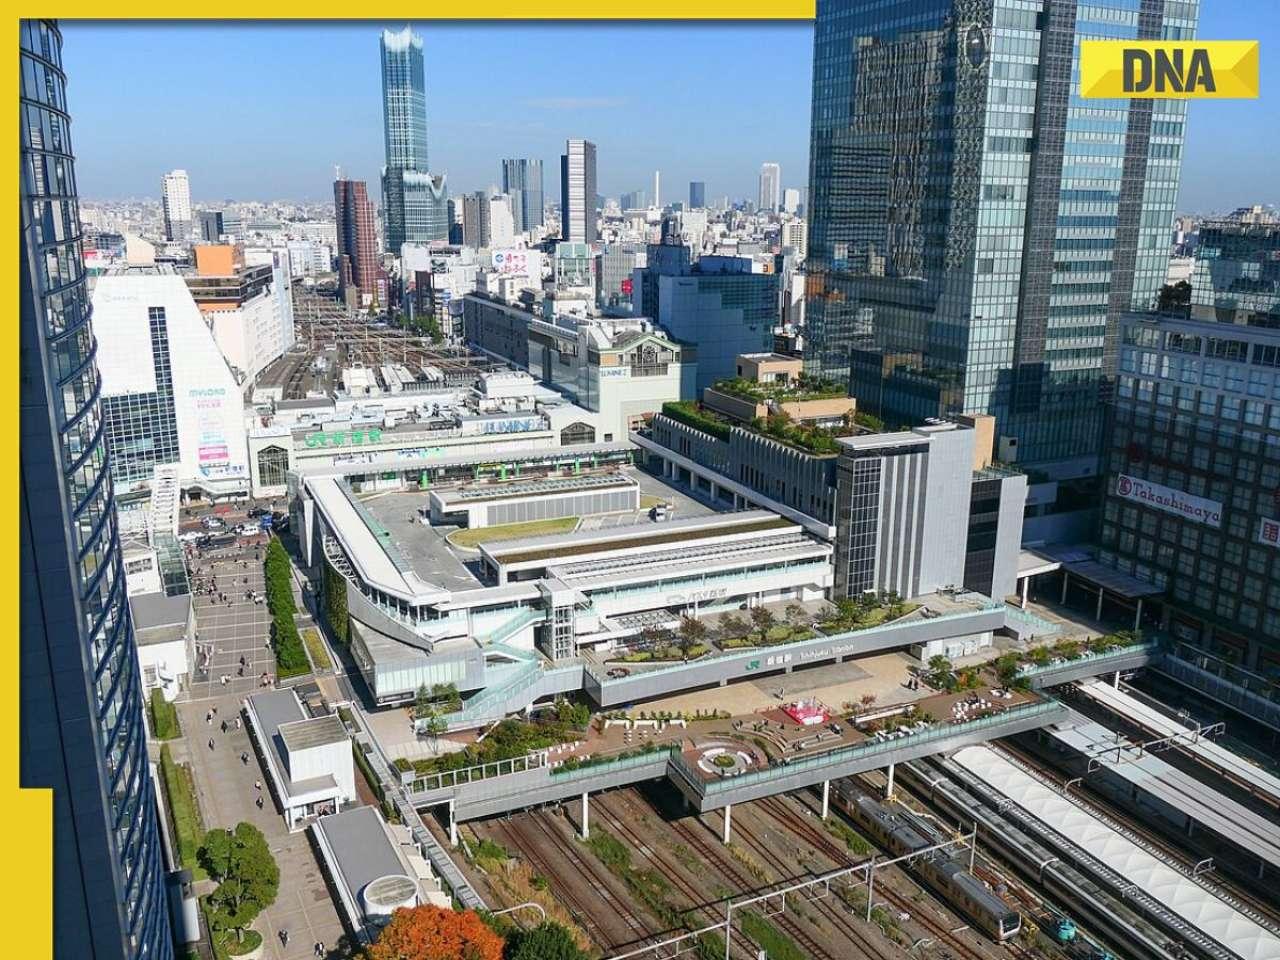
(82, 728)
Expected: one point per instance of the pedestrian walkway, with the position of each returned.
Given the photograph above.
(232, 628)
(225, 789)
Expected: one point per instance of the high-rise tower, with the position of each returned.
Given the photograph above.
(415, 203)
(175, 199)
(357, 241)
(522, 181)
(82, 726)
(578, 192)
(976, 230)
(770, 186)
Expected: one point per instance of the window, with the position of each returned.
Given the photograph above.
(273, 465)
(577, 433)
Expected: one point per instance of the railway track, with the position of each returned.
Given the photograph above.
(585, 913)
(709, 910)
(822, 841)
(838, 918)
(788, 924)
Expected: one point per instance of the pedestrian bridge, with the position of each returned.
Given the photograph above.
(532, 781)
(1092, 665)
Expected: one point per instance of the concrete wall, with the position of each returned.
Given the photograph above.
(753, 664)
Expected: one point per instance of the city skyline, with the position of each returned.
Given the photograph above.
(473, 130)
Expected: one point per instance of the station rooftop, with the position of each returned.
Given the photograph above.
(536, 487)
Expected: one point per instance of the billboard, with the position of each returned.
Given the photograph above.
(1169, 500)
(525, 263)
(1269, 532)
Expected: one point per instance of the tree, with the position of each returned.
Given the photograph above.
(652, 636)
(731, 625)
(1175, 297)
(434, 933)
(434, 726)
(547, 941)
(691, 633)
(795, 613)
(247, 874)
(762, 619)
(422, 702)
(867, 699)
(847, 611)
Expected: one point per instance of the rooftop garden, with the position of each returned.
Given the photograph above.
(802, 388)
(811, 439)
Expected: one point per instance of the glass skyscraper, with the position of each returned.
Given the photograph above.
(976, 227)
(415, 204)
(522, 180)
(82, 727)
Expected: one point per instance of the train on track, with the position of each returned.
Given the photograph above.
(989, 912)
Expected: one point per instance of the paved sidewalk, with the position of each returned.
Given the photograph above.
(224, 785)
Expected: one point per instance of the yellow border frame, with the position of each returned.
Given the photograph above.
(26, 881)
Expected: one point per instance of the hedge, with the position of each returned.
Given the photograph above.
(188, 827)
(164, 717)
(291, 657)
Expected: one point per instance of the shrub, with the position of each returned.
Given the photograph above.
(183, 808)
(164, 717)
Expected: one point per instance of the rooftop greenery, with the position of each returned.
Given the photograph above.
(802, 388)
(780, 427)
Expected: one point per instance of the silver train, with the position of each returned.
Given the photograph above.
(946, 877)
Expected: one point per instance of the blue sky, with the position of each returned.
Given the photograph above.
(262, 111)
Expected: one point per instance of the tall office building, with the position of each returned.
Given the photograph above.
(974, 229)
(475, 220)
(357, 241)
(522, 181)
(175, 198)
(657, 189)
(414, 202)
(770, 187)
(1192, 461)
(211, 226)
(82, 725)
(697, 194)
(578, 192)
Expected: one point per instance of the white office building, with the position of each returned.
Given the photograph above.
(578, 192)
(168, 393)
(175, 197)
(790, 201)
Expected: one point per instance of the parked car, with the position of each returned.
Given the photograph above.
(212, 523)
(191, 536)
(258, 512)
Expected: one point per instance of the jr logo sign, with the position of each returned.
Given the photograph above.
(1158, 69)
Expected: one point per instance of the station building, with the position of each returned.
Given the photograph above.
(383, 440)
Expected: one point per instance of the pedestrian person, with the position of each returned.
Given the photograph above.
(224, 726)
(237, 723)
(208, 718)
(257, 785)
(244, 758)
(211, 743)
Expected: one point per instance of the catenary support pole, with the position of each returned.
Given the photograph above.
(586, 830)
(826, 798)
(888, 786)
(728, 821)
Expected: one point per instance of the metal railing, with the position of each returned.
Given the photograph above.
(868, 748)
(1116, 653)
(523, 618)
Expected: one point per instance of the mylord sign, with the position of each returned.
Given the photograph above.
(1169, 500)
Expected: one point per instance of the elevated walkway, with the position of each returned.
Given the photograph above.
(537, 783)
(1092, 665)
(1221, 690)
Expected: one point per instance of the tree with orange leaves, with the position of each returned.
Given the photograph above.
(434, 933)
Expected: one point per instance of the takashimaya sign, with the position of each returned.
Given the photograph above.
(1197, 509)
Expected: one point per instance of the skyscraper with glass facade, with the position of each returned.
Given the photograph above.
(522, 181)
(414, 202)
(82, 727)
(976, 227)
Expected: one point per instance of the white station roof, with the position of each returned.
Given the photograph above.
(1183, 896)
(1151, 719)
(1199, 801)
